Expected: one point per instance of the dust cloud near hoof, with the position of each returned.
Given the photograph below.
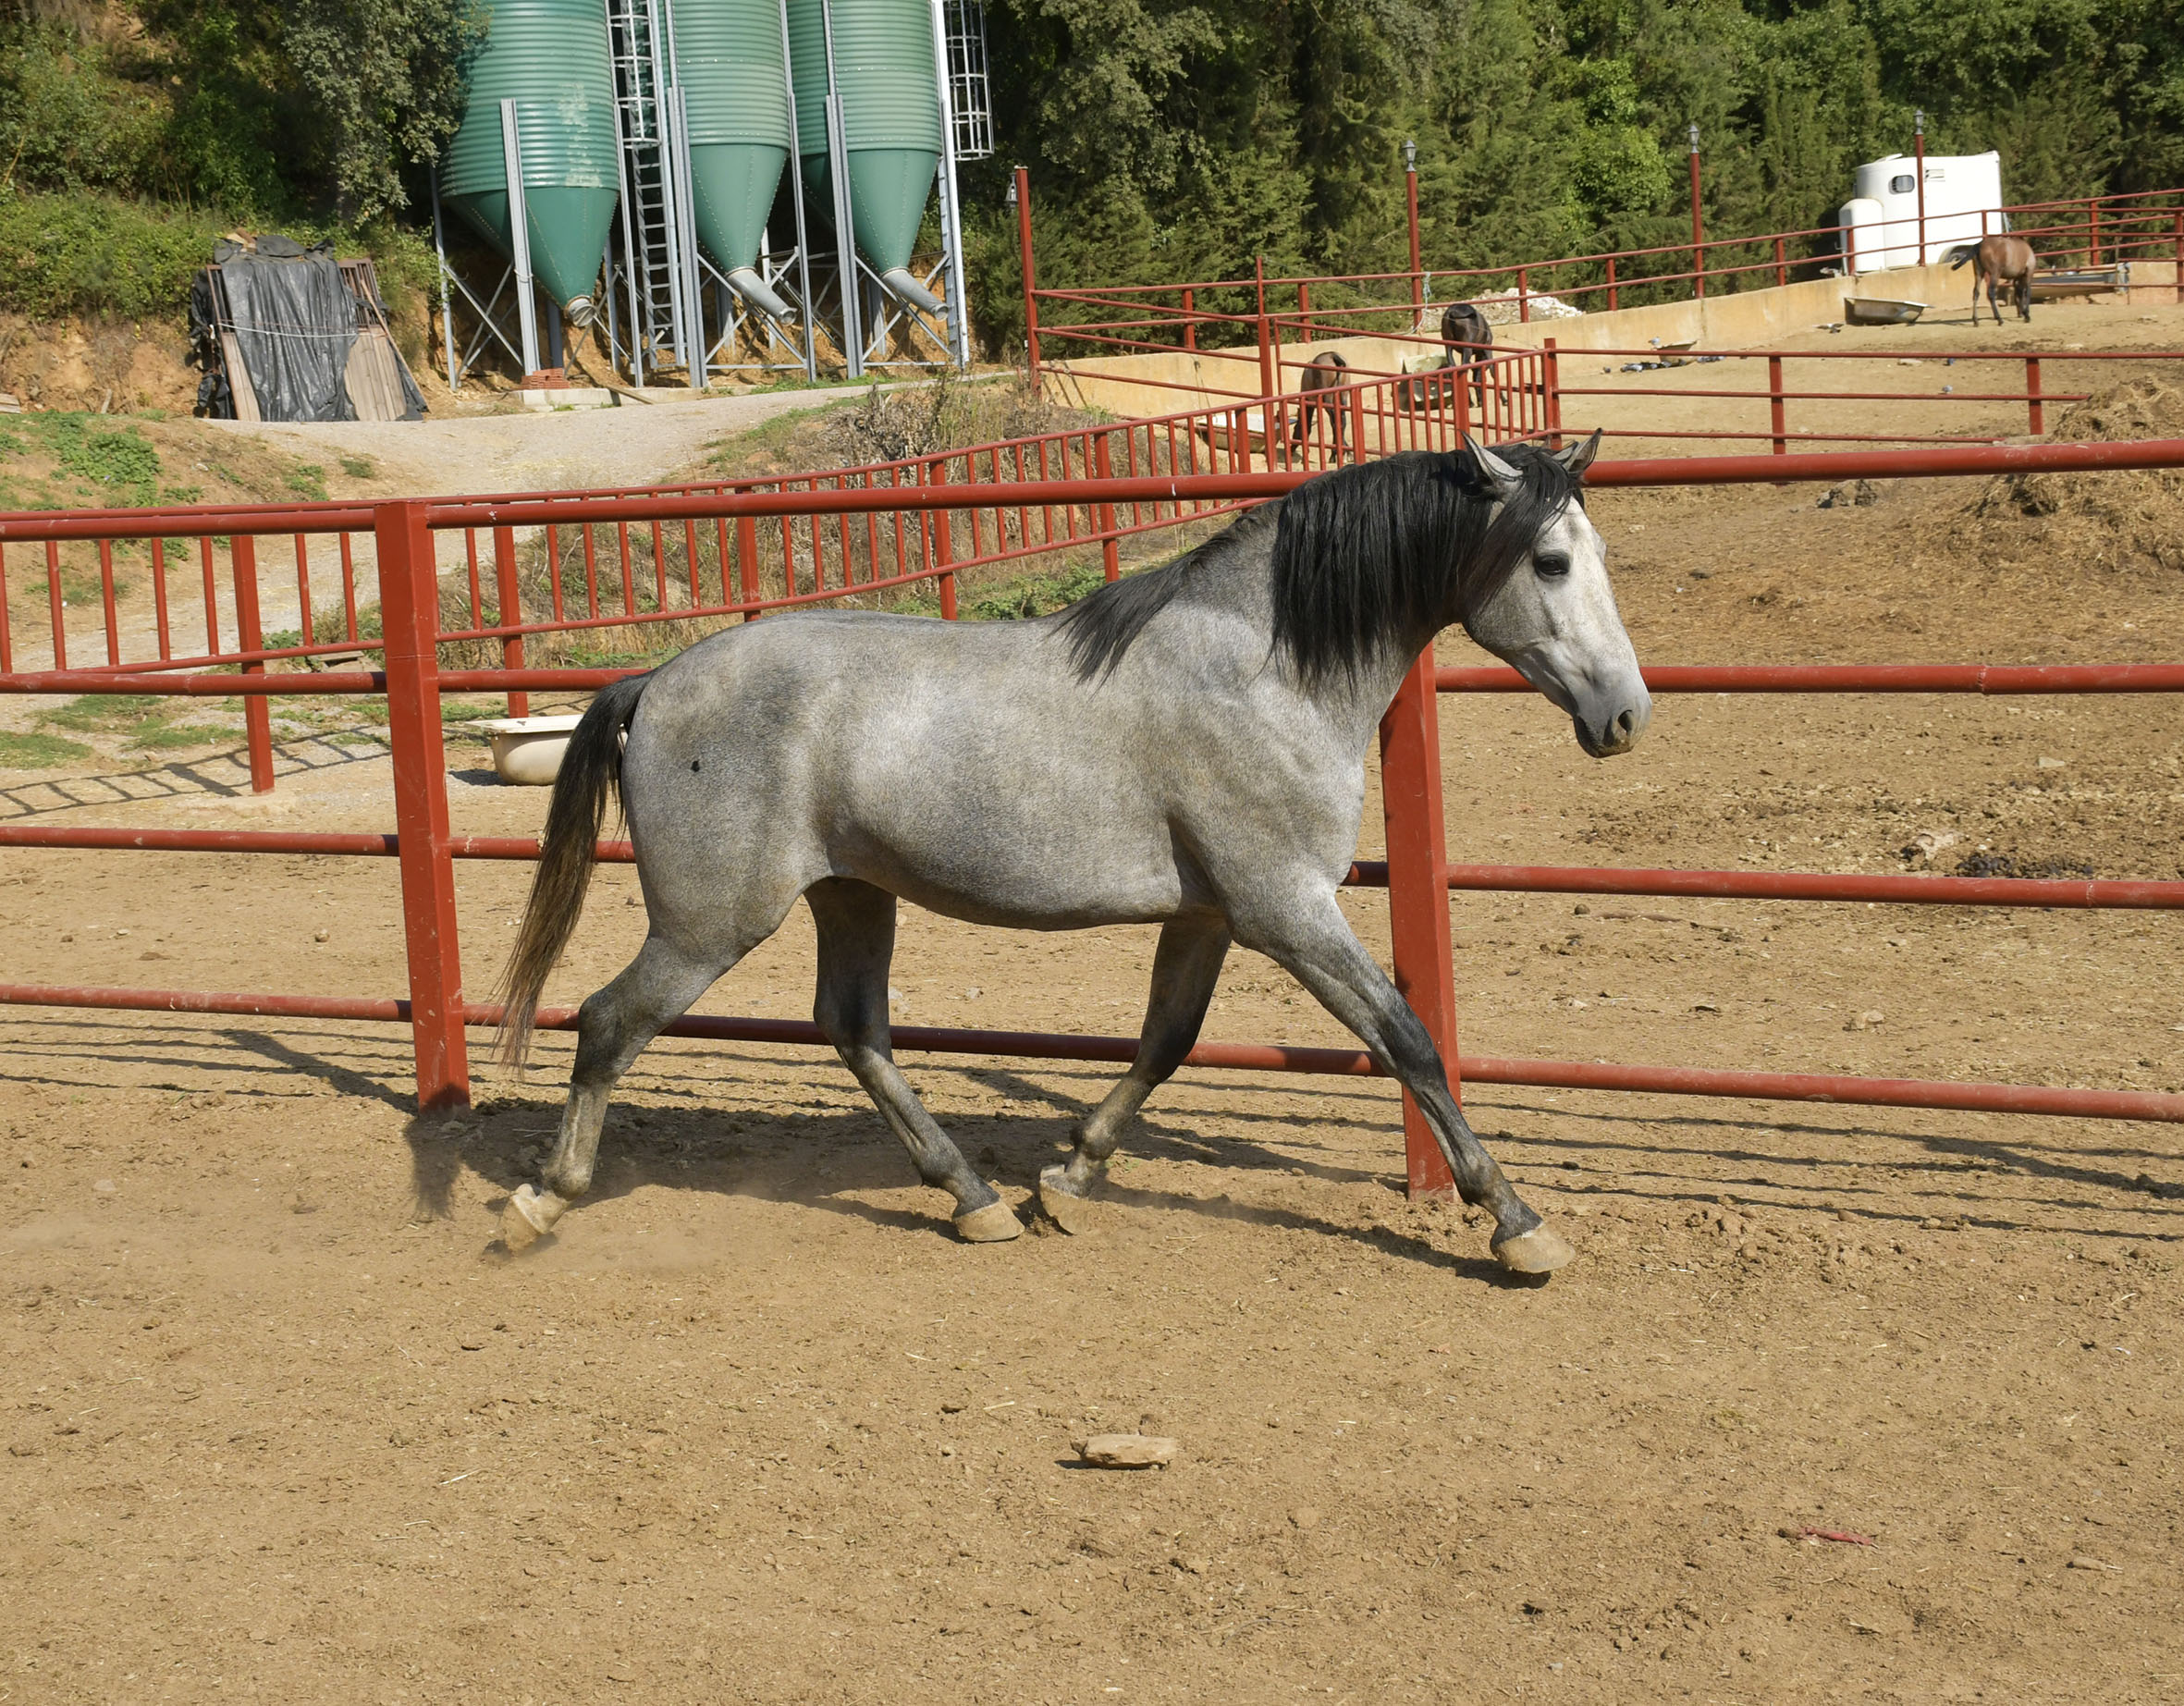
(530, 1215)
(1071, 1213)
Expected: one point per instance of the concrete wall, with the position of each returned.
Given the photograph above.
(1165, 382)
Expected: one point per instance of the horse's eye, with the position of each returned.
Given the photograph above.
(1551, 568)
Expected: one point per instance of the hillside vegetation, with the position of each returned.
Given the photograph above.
(1166, 139)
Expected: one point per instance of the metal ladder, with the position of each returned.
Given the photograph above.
(970, 99)
(638, 44)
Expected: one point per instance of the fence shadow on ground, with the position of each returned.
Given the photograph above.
(224, 774)
(822, 1156)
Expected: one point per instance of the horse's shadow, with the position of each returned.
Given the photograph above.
(828, 1160)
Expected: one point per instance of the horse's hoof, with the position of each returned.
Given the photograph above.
(995, 1223)
(530, 1215)
(1541, 1251)
(1068, 1210)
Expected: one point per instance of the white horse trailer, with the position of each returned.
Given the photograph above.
(1880, 220)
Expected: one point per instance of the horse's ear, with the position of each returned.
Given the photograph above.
(1578, 457)
(1505, 478)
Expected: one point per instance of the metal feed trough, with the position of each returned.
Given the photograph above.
(2081, 281)
(1880, 311)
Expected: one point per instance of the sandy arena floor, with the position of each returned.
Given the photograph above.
(283, 1426)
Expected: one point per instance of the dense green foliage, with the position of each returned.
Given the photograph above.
(1170, 140)
(263, 109)
(1167, 138)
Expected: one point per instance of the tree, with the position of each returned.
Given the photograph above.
(389, 79)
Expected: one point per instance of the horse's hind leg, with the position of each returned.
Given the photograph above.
(856, 942)
(1186, 966)
(613, 1027)
(1314, 944)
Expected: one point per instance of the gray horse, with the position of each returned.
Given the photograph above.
(1184, 747)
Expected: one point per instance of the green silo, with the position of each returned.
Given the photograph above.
(729, 62)
(884, 72)
(549, 56)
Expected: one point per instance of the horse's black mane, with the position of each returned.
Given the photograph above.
(1361, 558)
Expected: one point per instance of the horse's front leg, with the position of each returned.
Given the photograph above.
(1313, 942)
(1186, 966)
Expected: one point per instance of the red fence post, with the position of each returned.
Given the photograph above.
(2093, 222)
(1697, 231)
(1356, 427)
(1781, 269)
(1104, 518)
(1524, 293)
(408, 604)
(1031, 305)
(1418, 899)
(1551, 392)
(1611, 284)
(257, 714)
(2177, 255)
(1190, 322)
(747, 562)
(943, 538)
(1268, 380)
(2035, 411)
(1774, 405)
(511, 612)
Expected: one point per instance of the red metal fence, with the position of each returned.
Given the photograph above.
(408, 541)
(153, 591)
(2096, 231)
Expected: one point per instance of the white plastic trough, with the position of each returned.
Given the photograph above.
(527, 750)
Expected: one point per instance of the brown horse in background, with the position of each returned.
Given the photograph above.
(1325, 372)
(2002, 261)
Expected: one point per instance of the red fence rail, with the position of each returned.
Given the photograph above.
(409, 539)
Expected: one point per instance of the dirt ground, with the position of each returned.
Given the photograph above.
(283, 1425)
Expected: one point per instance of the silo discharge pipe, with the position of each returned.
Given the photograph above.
(906, 288)
(758, 293)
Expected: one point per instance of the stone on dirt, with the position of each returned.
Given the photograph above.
(1127, 1451)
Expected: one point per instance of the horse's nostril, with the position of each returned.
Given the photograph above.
(1627, 722)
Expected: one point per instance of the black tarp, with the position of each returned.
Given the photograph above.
(290, 318)
(294, 321)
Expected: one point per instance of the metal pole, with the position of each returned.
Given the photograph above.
(685, 203)
(1410, 198)
(1020, 193)
(519, 220)
(439, 248)
(803, 241)
(845, 240)
(952, 228)
(1697, 231)
(1919, 149)
(622, 171)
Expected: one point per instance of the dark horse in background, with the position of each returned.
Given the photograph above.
(2002, 260)
(1325, 372)
(1464, 328)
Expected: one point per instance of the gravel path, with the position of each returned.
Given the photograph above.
(634, 445)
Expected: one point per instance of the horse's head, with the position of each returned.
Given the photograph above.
(1555, 618)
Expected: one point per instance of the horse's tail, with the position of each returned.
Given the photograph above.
(1958, 256)
(591, 770)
